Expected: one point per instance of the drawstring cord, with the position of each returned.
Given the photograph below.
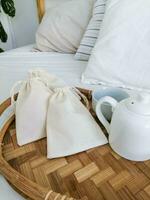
(76, 92)
(35, 74)
(20, 83)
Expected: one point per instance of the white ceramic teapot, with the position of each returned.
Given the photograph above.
(129, 130)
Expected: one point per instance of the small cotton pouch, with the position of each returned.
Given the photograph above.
(70, 126)
(32, 105)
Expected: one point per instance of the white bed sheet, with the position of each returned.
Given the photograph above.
(15, 65)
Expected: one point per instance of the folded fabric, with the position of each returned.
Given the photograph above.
(121, 55)
(63, 26)
(70, 126)
(32, 104)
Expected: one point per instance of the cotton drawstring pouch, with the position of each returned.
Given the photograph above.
(70, 126)
(51, 80)
(32, 104)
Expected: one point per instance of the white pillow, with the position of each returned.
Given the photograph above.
(121, 56)
(63, 26)
(92, 31)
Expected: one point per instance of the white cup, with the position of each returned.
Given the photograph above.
(116, 93)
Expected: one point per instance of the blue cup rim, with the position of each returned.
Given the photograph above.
(96, 91)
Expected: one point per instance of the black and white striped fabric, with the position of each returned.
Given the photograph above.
(91, 34)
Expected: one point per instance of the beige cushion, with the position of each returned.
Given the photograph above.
(63, 26)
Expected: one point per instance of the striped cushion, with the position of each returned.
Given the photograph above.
(92, 31)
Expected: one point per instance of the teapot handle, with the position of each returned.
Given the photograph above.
(99, 114)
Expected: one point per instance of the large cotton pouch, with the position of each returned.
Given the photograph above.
(70, 126)
(32, 104)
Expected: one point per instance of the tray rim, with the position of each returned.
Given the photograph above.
(23, 184)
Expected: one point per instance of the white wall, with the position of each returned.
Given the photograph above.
(21, 29)
(52, 3)
(25, 22)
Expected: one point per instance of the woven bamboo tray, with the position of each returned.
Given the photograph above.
(97, 174)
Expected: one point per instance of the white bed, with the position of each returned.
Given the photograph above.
(15, 64)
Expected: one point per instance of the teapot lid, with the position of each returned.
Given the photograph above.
(139, 104)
